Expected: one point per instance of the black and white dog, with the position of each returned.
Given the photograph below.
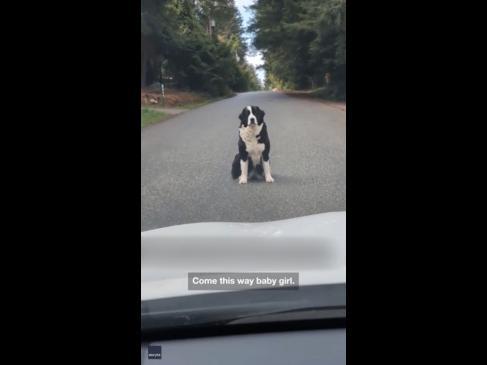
(253, 146)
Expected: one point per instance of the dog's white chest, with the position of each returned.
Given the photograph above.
(255, 152)
(253, 147)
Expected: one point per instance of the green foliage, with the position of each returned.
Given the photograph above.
(149, 116)
(302, 41)
(177, 32)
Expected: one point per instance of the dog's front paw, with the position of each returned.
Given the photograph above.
(269, 179)
(242, 180)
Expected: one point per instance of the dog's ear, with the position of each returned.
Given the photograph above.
(242, 116)
(260, 112)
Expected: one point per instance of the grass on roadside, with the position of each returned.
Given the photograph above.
(149, 116)
(320, 93)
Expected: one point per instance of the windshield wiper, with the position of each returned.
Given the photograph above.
(318, 305)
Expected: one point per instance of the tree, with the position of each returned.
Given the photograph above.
(301, 42)
(177, 31)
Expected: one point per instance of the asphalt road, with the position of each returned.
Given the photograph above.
(186, 163)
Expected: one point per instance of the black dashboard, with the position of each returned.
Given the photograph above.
(302, 326)
(278, 348)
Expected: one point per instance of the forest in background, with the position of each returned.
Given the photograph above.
(199, 45)
(303, 43)
(195, 45)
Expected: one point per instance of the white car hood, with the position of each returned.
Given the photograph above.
(314, 246)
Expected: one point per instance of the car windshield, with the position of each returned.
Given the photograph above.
(243, 163)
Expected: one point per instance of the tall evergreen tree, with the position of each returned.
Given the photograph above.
(303, 43)
(176, 33)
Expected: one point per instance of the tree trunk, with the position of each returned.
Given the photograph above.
(143, 69)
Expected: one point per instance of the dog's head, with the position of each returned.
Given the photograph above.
(251, 116)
